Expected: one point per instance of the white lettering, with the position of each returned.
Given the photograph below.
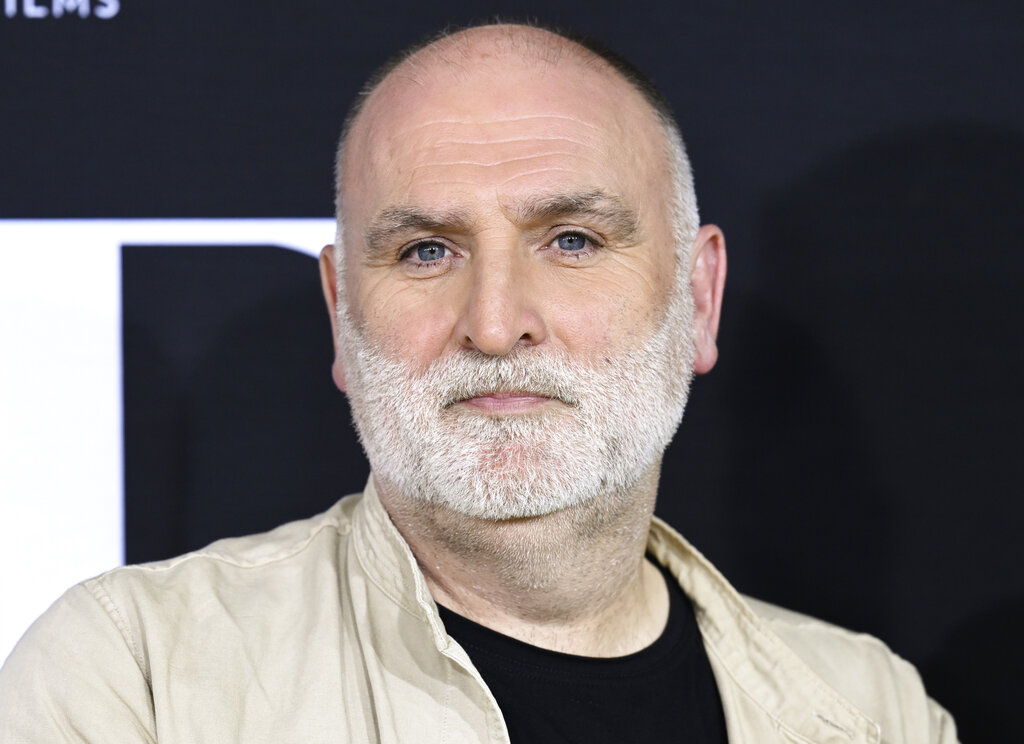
(107, 8)
(60, 7)
(31, 10)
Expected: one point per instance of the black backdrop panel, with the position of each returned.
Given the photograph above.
(232, 423)
(856, 454)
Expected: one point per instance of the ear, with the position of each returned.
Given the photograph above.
(329, 285)
(707, 282)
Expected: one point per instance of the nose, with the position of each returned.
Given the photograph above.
(502, 308)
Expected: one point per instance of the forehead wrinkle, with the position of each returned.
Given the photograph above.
(510, 150)
(491, 163)
(506, 141)
(510, 121)
(498, 163)
(445, 182)
(590, 154)
(535, 171)
(507, 120)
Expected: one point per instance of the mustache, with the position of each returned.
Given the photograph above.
(470, 374)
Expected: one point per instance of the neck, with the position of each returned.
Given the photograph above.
(574, 581)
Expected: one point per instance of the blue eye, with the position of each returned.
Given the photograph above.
(571, 241)
(429, 252)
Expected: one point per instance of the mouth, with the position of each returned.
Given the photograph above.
(506, 402)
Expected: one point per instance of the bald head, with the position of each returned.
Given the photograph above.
(470, 46)
(445, 68)
(463, 50)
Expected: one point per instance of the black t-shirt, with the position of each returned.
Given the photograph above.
(665, 692)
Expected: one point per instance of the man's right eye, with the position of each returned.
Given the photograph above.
(429, 252)
(427, 257)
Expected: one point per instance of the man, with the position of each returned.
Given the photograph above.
(520, 294)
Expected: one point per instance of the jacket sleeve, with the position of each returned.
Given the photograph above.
(75, 677)
(942, 728)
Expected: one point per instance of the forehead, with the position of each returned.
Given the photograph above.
(444, 129)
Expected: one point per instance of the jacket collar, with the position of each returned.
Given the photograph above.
(740, 644)
(388, 562)
(745, 649)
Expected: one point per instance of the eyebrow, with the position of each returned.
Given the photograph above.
(622, 221)
(389, 222)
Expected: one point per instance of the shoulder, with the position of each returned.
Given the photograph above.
(237, 588)
(280, 543)
(824, 645)
(184, 632)
(265, 559)
(238, 559)
(861, 668)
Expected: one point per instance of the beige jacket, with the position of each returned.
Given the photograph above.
(323, 631)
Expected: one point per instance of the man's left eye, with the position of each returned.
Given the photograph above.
(571, 241)
(430, 252)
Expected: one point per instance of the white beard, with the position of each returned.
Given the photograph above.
(615, 417)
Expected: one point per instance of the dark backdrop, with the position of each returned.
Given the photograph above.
(855, 455)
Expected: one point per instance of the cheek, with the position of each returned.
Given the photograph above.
(405, 323)
(616, 308)
(600, 321)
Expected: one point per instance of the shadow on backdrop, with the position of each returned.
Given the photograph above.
(870, 395)
(977, 670)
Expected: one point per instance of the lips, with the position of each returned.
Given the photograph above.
(511, 401)
(509, 394)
